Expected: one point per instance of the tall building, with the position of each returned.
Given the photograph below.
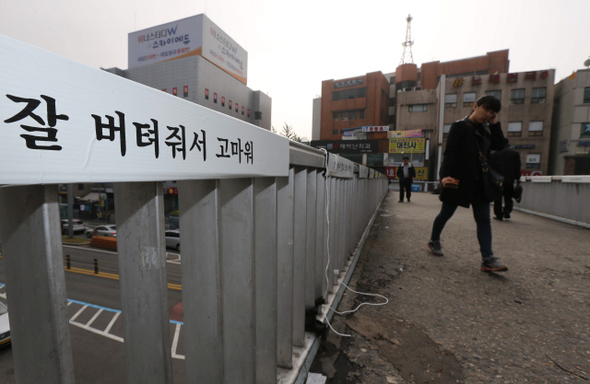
(570, 144)
(194, 59)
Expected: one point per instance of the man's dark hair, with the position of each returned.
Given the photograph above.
(489, 102)
(405, 157)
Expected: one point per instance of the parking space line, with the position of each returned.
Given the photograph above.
(94, 317)
(175, 343)
(78, 313)
(108, 328)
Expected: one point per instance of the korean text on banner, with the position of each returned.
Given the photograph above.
(407, 145)
(65, 122)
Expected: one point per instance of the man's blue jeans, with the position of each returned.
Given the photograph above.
(481, 214)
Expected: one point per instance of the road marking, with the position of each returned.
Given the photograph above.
(90, 272)
(175, 343)
(116, 314)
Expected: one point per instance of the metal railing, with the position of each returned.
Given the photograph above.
(268, 225)
(256, 253)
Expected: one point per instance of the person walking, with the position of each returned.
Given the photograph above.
(461, 174)
(507, 162)
(406, 173)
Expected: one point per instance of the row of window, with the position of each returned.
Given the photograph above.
(587, 95)
(349, 94)
(349, 115)
(236, 105)
(517, 96)
(514, 128)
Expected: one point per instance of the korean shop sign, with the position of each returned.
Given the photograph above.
(407, 145)
(64, 122)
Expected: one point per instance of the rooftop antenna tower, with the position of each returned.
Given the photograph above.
(407, 55)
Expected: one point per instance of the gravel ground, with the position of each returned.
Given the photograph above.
(447, 322)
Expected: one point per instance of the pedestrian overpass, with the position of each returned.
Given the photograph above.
(268, 226)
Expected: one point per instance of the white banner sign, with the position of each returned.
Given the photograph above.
(65, 122)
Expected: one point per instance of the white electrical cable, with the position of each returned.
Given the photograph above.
(328, 265)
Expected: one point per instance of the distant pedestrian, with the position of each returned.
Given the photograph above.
(462, 176)
(406, 173)
(507, 162)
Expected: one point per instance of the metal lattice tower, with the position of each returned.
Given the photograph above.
(407, 55)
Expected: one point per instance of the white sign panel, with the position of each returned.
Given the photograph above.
(164, 42)
(64, 122)
(223, 51)
(196, 35)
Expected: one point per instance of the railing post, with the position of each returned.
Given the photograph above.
(285, 270)
(35, 284)
(299, 249)
(265, 232)
(142, 266)
(200, 281)
(320, 264)
(310, 266)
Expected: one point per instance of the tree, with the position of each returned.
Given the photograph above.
(289, 133)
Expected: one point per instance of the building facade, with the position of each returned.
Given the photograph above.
(420, 102)
(570, 143)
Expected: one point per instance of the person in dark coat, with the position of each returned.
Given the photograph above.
(406, 173)
(506, 162)
(461, 176)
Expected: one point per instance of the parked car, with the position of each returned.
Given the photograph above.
(173, 239)
(77, 225)
(102, 230)
(4, 326)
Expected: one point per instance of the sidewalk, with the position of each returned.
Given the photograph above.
(447, 322)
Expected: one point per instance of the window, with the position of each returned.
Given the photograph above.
(344, 116)
(585, 131)
(451, 101)
(334, 132)
(515, 129)
(538, 95)
(418, 108)
(587, 95)
(469, 99)
(349, 94)
(353, 115)
(80, 187)
(362, 114)
(336, 116)
(496, 94)
(536, 128)
(517, 96)
(533, 160)
(206, 94)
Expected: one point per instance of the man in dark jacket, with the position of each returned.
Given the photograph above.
(507, 162)
(406, 174)
(462, 170)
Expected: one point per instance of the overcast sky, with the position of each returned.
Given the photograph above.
(293, 45)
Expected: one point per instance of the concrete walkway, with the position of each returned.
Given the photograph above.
(447, 322)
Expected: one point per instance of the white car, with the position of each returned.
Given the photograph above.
(173, 239)
(77, 225)
(102, 230)
(4, 326)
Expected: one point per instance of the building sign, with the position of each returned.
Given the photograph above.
(407, 133)
(192, 36)
(347, 146)
(116, 130)
(375, 128)
(407, 145)
(564, 146)
(531, 173)
(348, 83)
(584, 143)
(524, 146)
